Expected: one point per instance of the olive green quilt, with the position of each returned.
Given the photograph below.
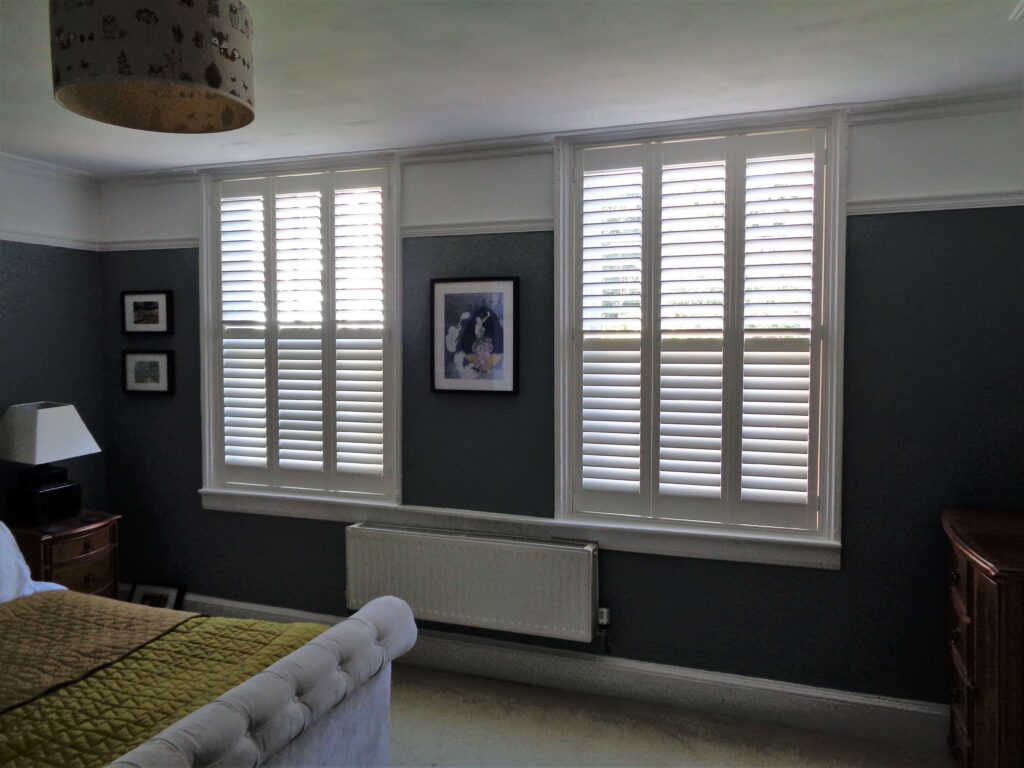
(124, 687)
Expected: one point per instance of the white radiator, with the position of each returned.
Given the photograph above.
(545, 588)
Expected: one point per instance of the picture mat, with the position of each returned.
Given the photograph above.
(444, 293)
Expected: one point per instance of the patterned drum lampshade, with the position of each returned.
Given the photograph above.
(175, 66)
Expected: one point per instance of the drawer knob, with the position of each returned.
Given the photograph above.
(954, 695)
(954, 636)
(87, 580)
(87, 546)
(954, 578)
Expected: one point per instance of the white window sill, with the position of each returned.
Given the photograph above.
(646, 538)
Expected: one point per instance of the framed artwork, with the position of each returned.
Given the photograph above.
(147, 312)
(148, 371)
(475, 327)
(157, 596)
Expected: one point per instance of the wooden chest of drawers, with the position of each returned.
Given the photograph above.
(81, 553)
(986, 636)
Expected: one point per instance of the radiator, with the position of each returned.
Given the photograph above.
(533, 587)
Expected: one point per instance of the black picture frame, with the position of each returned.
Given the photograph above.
(147, 312)
(448, 334)
(158, 595)
(130, 374)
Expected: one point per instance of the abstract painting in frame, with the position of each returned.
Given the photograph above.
(475, 328)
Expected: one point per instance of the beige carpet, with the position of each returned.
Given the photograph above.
(443, 719)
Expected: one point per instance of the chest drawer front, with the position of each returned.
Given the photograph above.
(81, 546)
(93, 574)
(959, 577)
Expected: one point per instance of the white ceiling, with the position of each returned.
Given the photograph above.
(335, 76)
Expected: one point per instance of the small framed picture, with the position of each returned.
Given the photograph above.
(157, 596)
(148, 371)
(147, 311)
(475, 335)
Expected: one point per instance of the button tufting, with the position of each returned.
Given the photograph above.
(295, 699)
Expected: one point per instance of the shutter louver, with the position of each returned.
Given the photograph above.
(611, 325)
(777, 301)
(299, 297)
(359, 343)
(243, 346)
(692, 325)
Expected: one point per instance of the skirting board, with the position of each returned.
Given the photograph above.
(859, 715)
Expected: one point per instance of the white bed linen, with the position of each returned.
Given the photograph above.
(15, 578)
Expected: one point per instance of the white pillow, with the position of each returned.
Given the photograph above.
(15, 579)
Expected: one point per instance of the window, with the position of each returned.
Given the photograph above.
(702, 353)
(299, 370)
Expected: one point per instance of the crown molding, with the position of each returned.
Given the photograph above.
(27, 166)
(904, 110)
(860, 113)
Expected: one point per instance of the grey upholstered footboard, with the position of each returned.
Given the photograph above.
(325, 704)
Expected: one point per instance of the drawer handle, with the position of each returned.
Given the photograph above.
(87, 580)
(954, 636)
(954, 578)
(954, 695)
(87, 546)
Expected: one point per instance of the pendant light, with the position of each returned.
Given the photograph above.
(174, 66)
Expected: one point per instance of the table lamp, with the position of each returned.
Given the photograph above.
(37, 434)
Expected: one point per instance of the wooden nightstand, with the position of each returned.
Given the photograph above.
(986, 637)
(80, 553)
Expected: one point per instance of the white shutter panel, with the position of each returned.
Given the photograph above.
(359, 341)
(243, 309)
(299, 304)
(778, 285)
(610, 290)
(692, 316)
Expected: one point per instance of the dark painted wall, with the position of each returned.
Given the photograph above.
(155, 462)
(50, 346)
(934, 413)
(472, 450)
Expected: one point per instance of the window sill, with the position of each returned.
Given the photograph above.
(648, 538)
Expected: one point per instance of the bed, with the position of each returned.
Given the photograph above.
(88, 681)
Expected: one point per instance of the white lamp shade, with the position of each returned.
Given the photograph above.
(38, 433)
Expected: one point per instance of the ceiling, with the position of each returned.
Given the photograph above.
(336, 76)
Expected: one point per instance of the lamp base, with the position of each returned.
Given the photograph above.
(44, 496)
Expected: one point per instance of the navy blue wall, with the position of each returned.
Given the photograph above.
(478, 450)
(934, 414)
(50, 346)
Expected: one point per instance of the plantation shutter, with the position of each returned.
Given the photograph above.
(299, 296)
(691, 288)
(782, 176)
(303, 346)
(698, 339)
(244, 317)
(611, 327)
(360, 326)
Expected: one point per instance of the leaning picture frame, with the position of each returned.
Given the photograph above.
(158, 595)
(148, 370)
(475, 335)
(147, 311)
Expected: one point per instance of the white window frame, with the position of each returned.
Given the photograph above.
(215, 483)
(824, 542)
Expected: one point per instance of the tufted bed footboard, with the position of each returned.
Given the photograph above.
(325, 704)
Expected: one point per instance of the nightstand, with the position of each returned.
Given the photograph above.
(80, 553)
